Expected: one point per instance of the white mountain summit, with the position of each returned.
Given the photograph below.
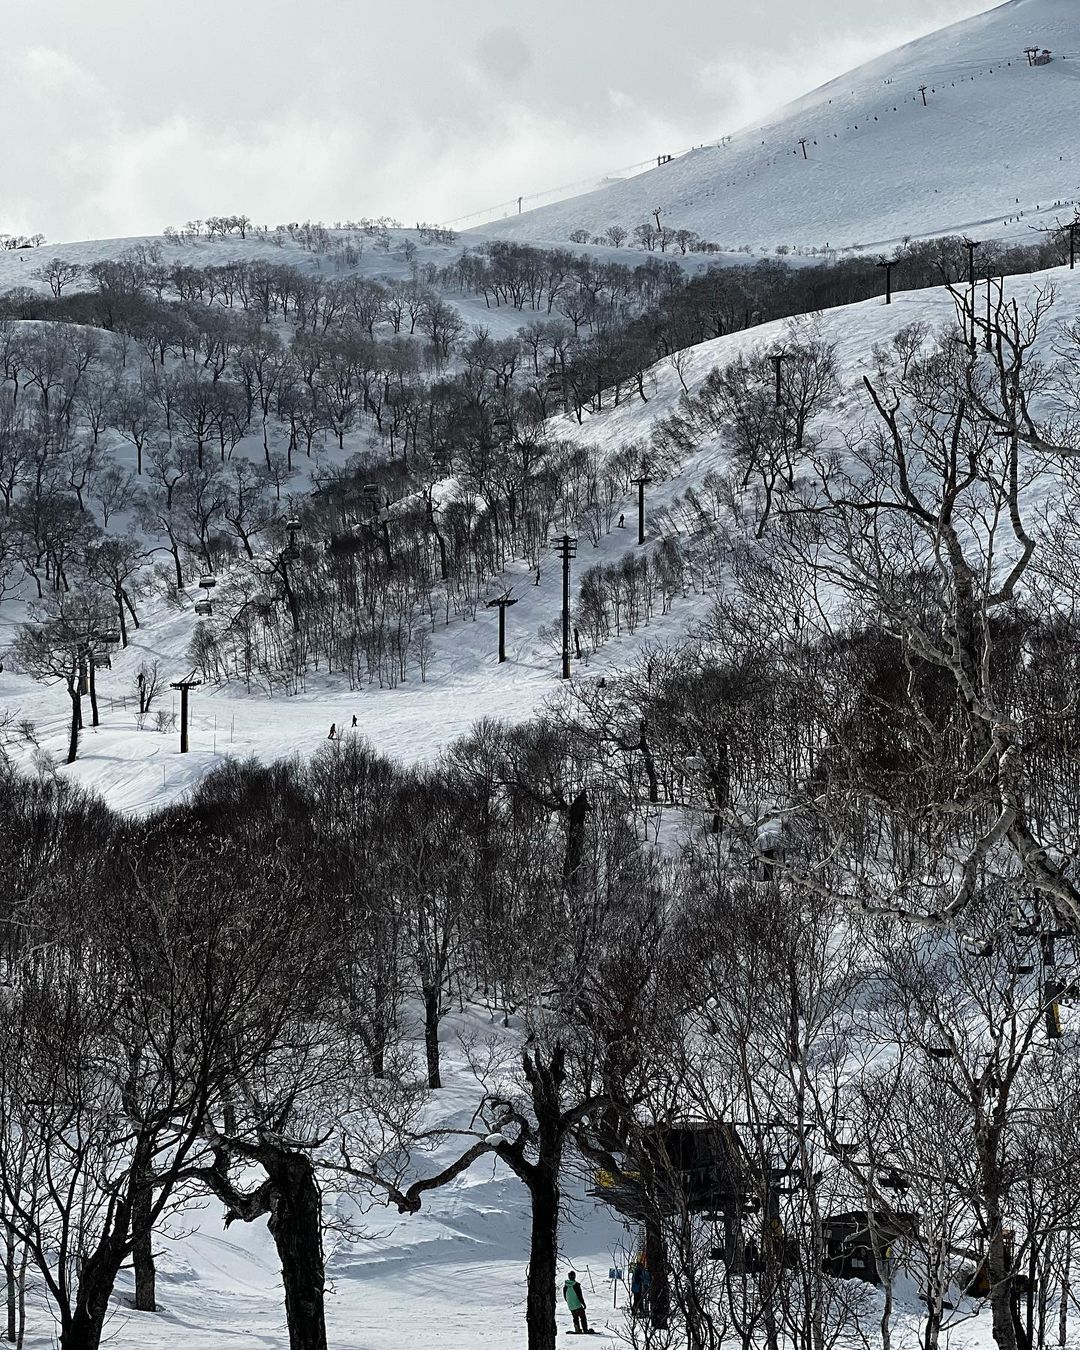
(955, 131)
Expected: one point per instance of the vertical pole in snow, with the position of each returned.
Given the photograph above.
(1072, 244)
(566, 608)
(922, 90)
(185, 686)
(502, 602)
(887, 264)
(566, 548)
(971, 245)
(520, 200)
(640, 483)
(777, 359)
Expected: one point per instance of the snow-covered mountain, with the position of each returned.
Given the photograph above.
(992, 150)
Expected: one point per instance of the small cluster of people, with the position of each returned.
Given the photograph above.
(574, 1295)
(335, 734)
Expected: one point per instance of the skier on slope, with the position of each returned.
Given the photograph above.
(575, 1301)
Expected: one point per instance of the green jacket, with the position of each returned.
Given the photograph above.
(575, 1299)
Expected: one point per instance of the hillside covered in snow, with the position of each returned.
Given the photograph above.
(522, 757)
(864, 161)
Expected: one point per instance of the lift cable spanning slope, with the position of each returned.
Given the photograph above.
(897, 148)
(515, 206)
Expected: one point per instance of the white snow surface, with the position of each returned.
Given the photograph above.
(994, 152)
(138, 770)
(451, 1276)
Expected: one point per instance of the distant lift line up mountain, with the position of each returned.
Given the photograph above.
(993, 149)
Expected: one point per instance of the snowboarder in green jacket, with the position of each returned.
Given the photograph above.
(575, 1301)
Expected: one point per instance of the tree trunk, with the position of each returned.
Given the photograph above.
(543, 1259)
(9, 1281)
(1063, 1307)
(1002, 1300)
(142, 1249)
(83, 1328)
(76, 719)
(296, 1226)
(576, 817)
(656, 1264)
(95, 719)
(431, 1036)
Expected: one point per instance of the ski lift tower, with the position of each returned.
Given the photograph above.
(503, 602)
(185, 687)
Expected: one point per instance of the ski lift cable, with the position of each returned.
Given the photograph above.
(510, 207)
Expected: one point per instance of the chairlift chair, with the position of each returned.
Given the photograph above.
(894, 1180)
(203, 607)
(110, 637)
(207, 581)
(102, 661)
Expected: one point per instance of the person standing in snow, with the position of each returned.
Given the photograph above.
(575, 1301)
(333, 731)
(639, 1289)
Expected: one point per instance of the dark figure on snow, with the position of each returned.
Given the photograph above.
(639, 1289)
(622, 524)
(575, 1301)
(354, 719)
(333, 731)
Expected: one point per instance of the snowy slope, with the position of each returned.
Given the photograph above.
(18, 266)
(996, 138)
(451, 1276)
(139, 769)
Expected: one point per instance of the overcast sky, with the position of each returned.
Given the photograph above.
(123, 116)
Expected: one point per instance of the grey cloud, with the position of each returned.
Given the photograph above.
(128, 115)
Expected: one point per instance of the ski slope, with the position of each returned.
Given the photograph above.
(451, 1276)
(994, 151)
(138, 770)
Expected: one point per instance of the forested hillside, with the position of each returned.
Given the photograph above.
(764, 934)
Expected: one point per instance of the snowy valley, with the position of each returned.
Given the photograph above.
(716, 939)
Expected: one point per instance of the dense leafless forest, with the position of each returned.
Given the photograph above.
(775, 931)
